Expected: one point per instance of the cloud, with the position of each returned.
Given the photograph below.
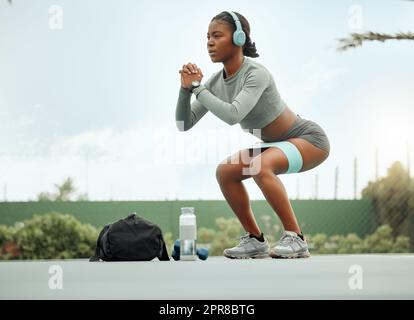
(96, 143)
(155, 145)
(24, 121)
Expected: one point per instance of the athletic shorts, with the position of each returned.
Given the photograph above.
(302, 128)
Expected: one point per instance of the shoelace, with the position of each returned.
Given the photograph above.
(243, 239)
(286, 239)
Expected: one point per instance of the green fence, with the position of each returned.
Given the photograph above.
(315, 216)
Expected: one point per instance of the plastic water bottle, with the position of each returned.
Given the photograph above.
(188, 234)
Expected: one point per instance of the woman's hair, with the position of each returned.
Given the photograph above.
(249, 48)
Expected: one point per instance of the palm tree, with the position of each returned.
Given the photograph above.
(356, 39)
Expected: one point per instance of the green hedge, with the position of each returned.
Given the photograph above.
(381, 241)
(62, 236)
(315, 216)
(48, 236)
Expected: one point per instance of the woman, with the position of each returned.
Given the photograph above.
(244, 92)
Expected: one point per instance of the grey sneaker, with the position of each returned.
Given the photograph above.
(248, 247)
(290, 246)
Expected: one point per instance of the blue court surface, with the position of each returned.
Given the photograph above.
(318, 277)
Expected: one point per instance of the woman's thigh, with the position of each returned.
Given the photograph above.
(236, 166)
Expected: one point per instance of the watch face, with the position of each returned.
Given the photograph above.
(195, 83)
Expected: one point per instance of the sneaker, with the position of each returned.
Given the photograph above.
(290, 246)
(249, 247)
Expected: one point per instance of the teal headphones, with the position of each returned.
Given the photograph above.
(239, 37)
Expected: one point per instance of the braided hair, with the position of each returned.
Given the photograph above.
(249, 48)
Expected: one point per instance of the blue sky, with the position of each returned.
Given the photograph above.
(95, 100)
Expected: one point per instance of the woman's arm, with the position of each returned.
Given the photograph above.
(187, 114)
(256, 82)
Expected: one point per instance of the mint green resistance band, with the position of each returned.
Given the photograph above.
(289, 149)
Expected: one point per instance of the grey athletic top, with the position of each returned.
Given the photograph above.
(248, 97)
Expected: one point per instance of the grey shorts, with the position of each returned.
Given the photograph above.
(309, 131)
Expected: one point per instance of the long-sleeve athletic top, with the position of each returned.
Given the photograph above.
(248, 97)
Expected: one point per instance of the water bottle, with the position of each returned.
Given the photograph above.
(188, 234)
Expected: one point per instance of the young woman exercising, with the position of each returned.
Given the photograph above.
(244, 92)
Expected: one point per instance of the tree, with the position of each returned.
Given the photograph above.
(64, 192)
(393, 200)
(356, 39)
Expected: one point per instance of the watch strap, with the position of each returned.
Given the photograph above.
(198, 89)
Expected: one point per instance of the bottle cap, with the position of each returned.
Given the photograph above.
(187, 210)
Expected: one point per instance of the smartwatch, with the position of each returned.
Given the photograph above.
(194, 84)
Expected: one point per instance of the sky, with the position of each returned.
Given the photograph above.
(88, 90)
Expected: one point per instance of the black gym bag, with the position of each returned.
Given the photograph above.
(130, 239)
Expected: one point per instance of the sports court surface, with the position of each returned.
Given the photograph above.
(319, 277)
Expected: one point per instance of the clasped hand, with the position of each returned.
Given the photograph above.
(189, 73)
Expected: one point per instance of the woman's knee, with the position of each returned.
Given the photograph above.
(259, 169)
(234, 168)
(226, 170)
(232, 172)
(222, 172)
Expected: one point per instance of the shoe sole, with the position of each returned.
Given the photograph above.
(254, 256)
(274, 255)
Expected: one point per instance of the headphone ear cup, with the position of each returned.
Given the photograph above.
(239, 38)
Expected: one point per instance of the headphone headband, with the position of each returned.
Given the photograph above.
(236, 20)
(239, 37)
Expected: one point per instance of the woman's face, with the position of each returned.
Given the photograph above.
(219, 41)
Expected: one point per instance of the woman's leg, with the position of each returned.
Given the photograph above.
(272, 162)
(229, 175)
